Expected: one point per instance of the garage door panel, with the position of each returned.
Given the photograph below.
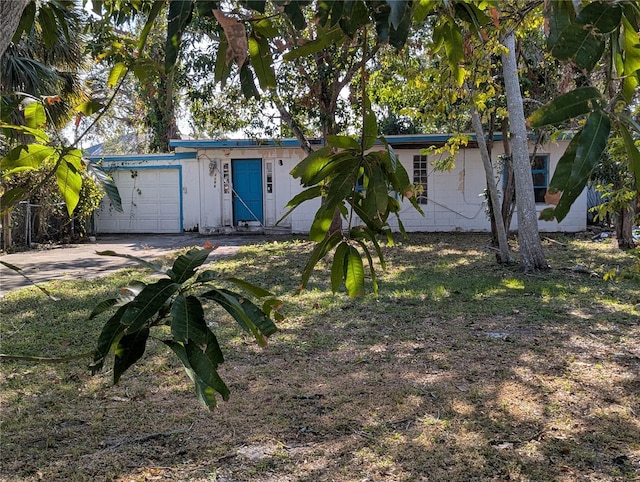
(150, 203)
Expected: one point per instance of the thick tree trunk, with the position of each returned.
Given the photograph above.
(503, 243)
(624, 228)
(531, 255)
(10, 13)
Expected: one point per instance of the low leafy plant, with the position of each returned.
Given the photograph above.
(176, 301)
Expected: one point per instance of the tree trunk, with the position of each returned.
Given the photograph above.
(503, 243)
(624, 228)
(508, 196)
(531, 255)
(10, 14)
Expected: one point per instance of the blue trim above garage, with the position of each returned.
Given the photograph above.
(144, 157)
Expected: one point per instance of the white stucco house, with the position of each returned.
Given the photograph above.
(225, 186)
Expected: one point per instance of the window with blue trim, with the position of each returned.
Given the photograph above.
(420, 174)
(540, 175)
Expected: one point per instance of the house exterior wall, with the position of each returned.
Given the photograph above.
(454, 198)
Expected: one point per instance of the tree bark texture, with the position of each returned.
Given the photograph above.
(10, 13)
(503, 243)
(531, 255)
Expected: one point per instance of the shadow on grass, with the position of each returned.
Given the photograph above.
(461, 370)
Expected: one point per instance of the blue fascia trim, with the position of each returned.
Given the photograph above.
(230, 143)
(178, 167)
(143, 157)
(220, 144)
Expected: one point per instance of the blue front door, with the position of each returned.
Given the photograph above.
(247, 186)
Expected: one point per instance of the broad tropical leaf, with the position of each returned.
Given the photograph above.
(306, 195)
(184, 267)
(129, 350)
(580, 44)
(372, 270)
(567, 106)
(605, 17)
(577, 163)
(12, 197)
(319, 252)
(256, 291)
(35, 116)
(187, 320)
(38, 134)
(632, 152)
(331, 37)
(343, 142)
(179, 17)
(311, 165)
(149, 302)
(104, 180)
(111, 333)
(117, 72)
(24, 158)
(262, 62)
(369, 127)
(69, 182)
(338, 266)
(354, 276)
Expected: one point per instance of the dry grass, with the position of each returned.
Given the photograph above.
(461, 370)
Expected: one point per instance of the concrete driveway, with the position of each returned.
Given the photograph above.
(80, 261)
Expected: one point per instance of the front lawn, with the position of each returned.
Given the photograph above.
(460, 370)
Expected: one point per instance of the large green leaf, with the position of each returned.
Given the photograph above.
(204, 364)
(632, 153)
(184, 267)
(339, 165)
(222, 69)
(111, 333)
(12, 198)
(148, 303)
(582, 45)
(156, 8)
(35, 116)
(369, 127)
(295, 13)
(588, 147)
(311, 165)
(255, 290)
(320, 251)
(258, 317)
(560, 14)
(605, 17)
(306, 195)
(89, 107)
(338, 266)
(180, 12)
(117, 72)
(354, 277)
(372, 270)
(567, 106)
(262, 61)
(343, 142)
(237, 306)
(247, 85)
(69, 182)
(95, 170)
(24, 158)
(377, 198)
(187, 319)
(129, 350)
(330, 37)
(38, 134)
(205, 392)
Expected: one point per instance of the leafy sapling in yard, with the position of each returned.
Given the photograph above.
(175, 301)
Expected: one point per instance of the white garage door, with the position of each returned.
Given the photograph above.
(150, 202)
